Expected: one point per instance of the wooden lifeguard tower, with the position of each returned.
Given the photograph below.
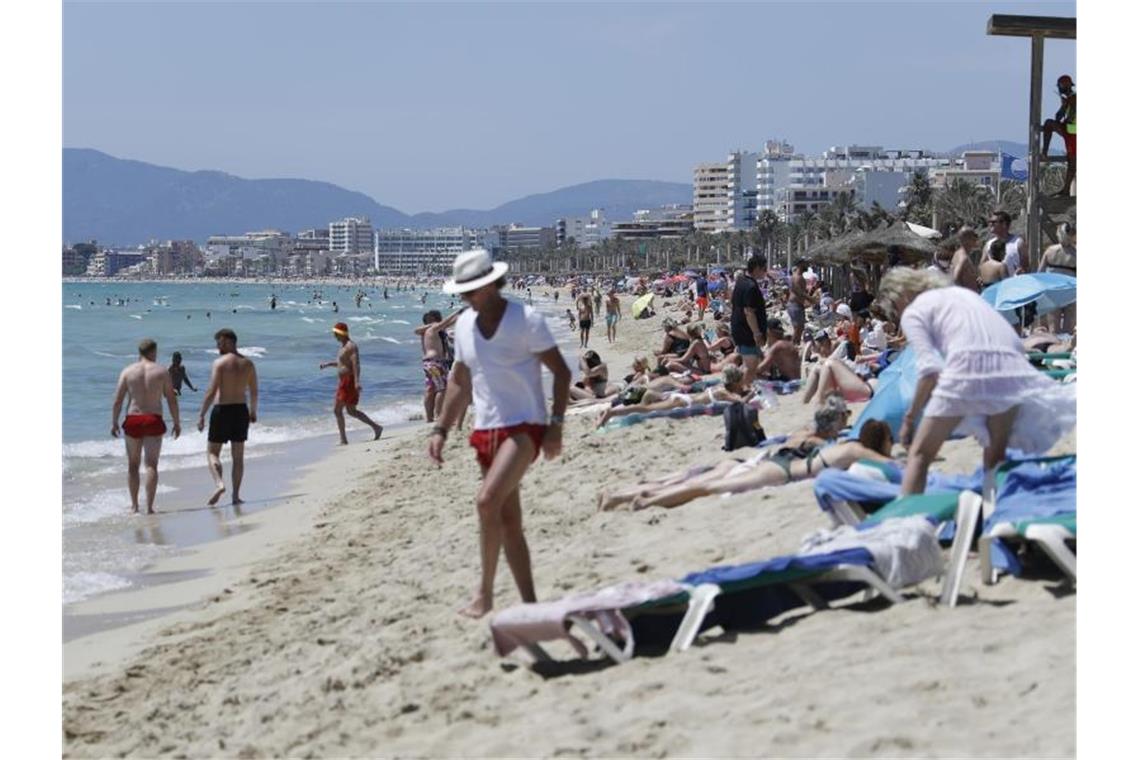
(1044, 213)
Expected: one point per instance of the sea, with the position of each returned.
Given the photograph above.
(105, 547)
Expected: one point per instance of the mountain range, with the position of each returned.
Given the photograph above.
(124, 202)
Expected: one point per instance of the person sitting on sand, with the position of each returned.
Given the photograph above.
(594, 384)
(676, 342)
(781, 358)
(733, 389)
(803, 456)
(696, 358)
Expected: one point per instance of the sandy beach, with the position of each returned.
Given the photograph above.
(330, 628)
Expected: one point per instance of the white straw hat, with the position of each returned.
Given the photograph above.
(472, 270)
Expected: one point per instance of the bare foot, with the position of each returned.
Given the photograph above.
(150, 511)
(478, 608)
(343, 441)
(378, 429)
(603, 419)
(217, 495)
(135, 509)
(603, 496)
(236, 501)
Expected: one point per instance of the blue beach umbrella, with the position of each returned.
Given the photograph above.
(1048, 290)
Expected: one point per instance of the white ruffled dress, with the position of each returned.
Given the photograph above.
(982, 370)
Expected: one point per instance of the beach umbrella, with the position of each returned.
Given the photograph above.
(927, 232)
(691, 273)
(1050, 291)
(718, 270)
(715, 285)
(893, 395)
(641, 304)
(913, 248)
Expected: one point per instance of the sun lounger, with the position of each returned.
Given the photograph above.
(848, 496)
(1036, 503)
(744, 596)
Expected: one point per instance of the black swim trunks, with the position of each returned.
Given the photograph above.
(229, 423)
(585, 324)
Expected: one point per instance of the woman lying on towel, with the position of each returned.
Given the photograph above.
(803, 456)
(733, 389)
(595, 383)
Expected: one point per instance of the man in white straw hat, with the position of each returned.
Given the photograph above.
(500, 347)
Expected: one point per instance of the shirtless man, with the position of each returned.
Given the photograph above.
(781, 358)
(613, 314)
(432, 333)
(147, 383)
(348, 387)
(231, 375)
(585, 318)
(798, 301)
(962, 269)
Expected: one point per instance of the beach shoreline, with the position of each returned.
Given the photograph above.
(342, 639)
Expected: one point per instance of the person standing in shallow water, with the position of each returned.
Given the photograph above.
(147, 383)
(500, 349)
(348, 387)
(232, 376)
(178, 373)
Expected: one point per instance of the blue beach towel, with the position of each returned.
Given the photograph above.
(1032, 490)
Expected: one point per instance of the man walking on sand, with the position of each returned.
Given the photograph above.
(613, 314)
(348, 386)
(500, 348)
(585, 318)
(230, 377)
(147, 383)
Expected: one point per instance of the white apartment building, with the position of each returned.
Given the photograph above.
(586, 231)
(979, 167)
(712, 201)
(353, 234)
(272, 243)
(790, 184)
(432, 251)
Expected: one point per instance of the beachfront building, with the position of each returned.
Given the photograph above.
(111, 263)
(173, 257)
(353, 234)
(407, 251)
(712, 204)
(978, 167)
(791, 184)
(77, 257)
(516, 237)
(666, 222)
(584, 231)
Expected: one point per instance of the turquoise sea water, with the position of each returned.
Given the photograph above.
(104, 548)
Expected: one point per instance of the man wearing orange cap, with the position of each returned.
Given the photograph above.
(348, 388)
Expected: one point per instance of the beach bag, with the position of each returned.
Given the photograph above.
(741, 427)
(631, 395)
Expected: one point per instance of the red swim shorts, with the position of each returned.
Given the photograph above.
(486, 442)
(1070, 143)
(144, 425)
(346, 391)
(702, 302)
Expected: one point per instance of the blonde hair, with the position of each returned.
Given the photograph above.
(695, 330)
(904, 282)
(732, 375)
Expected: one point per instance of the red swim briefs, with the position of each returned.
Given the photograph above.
(486, 442)
(346, 391)
(1070, 143)
(144, 425)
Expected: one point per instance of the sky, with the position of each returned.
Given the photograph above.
(434, 106)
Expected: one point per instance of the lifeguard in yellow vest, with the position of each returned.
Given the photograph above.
(1064, 124)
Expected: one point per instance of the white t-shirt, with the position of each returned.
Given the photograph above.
(1012, 258)
(506, 374)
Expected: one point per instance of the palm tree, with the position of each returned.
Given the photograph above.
(963, 202)
(1013, 197)
(919, 200)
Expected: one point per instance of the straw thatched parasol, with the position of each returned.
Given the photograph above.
(835, 251)
(913, 248)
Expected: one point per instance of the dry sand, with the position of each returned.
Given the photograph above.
(343, 640)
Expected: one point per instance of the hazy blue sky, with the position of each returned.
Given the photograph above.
(434, 106)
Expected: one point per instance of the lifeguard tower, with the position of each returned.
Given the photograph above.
(1044, 213)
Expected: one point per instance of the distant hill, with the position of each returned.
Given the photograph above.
(124, 202)
(1019, 149)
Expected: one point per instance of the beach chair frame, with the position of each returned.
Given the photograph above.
(969, 512)
(1050, 538)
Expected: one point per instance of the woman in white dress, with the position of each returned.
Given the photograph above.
(973, 377)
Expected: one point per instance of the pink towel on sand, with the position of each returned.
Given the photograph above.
(526, 624)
